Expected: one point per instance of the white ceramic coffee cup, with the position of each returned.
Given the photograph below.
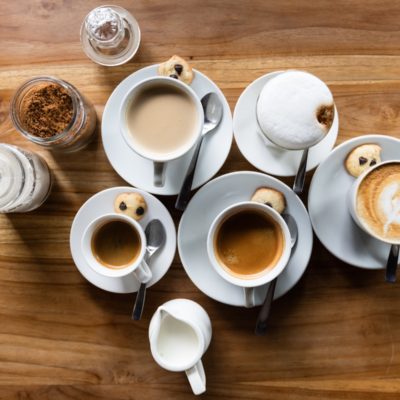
(266, 136)
(138, 266)
(352, 202)
(160, 159)
(272, 272)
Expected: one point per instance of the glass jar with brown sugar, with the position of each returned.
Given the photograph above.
(52, 113)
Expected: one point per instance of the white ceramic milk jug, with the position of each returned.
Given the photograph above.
(179, 334)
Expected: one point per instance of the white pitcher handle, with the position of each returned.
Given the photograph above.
(197, 378)
(143, 272)
(249, 300)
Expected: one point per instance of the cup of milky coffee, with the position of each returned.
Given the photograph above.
(114, 245)
(161, 120)
(295, 110)
(374, 201)
(248, 245)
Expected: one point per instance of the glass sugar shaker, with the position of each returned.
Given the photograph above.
(110, 35)
(25, 180)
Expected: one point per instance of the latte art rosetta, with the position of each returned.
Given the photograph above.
(378, 202)
(389, 202)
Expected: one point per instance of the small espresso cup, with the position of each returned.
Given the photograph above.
(160, 160)
(352, 203)
(271, 271)
(138, 266)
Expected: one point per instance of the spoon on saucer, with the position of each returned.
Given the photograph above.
(261, 324)
(298, 184)
(213, 108)
(391, 266)
(155, 237)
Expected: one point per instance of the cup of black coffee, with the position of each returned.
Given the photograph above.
(114, 245)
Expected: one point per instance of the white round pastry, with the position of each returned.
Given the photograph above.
(295, 110)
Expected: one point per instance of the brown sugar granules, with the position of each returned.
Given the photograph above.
(46, 110)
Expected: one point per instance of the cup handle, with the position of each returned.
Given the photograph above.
(159, 173)
(197, 378)
(249, 300)
(143, 272)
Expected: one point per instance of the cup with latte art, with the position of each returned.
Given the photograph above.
(374, 201)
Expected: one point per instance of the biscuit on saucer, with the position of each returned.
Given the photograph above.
(362, 157)
(270, 197)
(131, 204)
(176, 67)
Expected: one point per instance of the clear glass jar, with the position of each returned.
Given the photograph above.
(110, 35)
(80, 129)
(25, 180)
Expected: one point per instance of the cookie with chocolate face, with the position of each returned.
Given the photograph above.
(270, 197)
(176, 67)
(362, 157)
(131, 204)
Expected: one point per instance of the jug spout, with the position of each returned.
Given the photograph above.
(155, 325)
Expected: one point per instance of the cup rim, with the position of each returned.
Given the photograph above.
(264, 277)
(183, 367)
(95, 265)
(156, 156)
(353, 200)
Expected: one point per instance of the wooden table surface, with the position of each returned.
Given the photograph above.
(336, 335)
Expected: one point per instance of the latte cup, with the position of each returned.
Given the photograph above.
(294, 110)
(138, 266)
(272, 271)
(160, 159)
(352, 204)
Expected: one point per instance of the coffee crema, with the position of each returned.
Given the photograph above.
(378, 202)
(162, 118)
(248, 243)
(116, 244)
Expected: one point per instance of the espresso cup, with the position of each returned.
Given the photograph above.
(267, 244)
(91, 249)
(181, 121)
(375, 216)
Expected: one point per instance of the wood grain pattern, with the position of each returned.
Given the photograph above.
(335, 336)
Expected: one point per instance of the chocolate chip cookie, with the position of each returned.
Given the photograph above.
(131, 204)
(270, 197)
(176, 67)
(362, 157)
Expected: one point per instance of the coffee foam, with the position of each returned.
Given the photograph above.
(389, 204)
(295, 110)
(378, 202)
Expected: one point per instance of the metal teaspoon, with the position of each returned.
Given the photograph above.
(213, 109)
(155, 237)
(261, 324)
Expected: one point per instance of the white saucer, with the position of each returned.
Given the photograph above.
(259, 151)
(137, 170)
(327, 205)
(209, 201)
(102, 203)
